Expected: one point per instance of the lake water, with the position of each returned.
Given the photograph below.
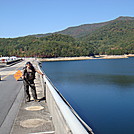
(101, 91)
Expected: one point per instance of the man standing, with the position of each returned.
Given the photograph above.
(28, 77)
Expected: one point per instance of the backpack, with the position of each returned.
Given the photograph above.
(29, 75)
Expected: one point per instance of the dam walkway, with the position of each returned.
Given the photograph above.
(51, 115)
(34, 117)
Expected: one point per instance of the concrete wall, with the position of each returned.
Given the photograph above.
(64, 120)
(59, 122)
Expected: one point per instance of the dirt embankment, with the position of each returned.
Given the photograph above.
(87, 58)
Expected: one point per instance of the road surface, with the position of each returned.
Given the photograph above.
(9, 91)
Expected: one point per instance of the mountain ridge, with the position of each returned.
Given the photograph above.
(114, 37)
(84, 29)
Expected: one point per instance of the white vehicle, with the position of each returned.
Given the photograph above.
(4, 59)
(7, 59)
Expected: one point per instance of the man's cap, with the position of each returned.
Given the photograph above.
(28, 63)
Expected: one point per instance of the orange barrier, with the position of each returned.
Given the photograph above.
(18, 75)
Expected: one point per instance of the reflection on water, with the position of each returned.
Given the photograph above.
(117, 80)
(101, 91)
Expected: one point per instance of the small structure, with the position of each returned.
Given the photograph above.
(4, 61)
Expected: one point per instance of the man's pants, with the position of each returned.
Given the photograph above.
(27, 84)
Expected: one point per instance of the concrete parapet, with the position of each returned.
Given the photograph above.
(65, 121)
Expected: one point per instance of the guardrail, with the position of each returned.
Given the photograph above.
(65, 119)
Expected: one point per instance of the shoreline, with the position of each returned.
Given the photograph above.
(86, 57)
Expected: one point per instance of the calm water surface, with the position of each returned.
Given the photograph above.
(101, 91)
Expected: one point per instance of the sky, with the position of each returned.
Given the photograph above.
(27, 17)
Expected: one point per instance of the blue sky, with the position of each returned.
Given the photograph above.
(27, 17)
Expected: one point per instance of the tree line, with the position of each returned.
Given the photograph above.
(116, 38)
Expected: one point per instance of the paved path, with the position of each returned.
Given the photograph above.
(31, 117)
(9, 90)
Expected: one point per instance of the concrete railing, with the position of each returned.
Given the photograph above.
(65, 119)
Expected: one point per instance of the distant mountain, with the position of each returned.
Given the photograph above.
(113, 37)
(115, 29)
(117, 37)
(125, 18)
(82, 30)
(85, 29)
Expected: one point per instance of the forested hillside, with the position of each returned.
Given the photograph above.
(116, 38)
(54, 45)
(113, 37)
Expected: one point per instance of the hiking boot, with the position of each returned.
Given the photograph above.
(27, 100)
(36, 100)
